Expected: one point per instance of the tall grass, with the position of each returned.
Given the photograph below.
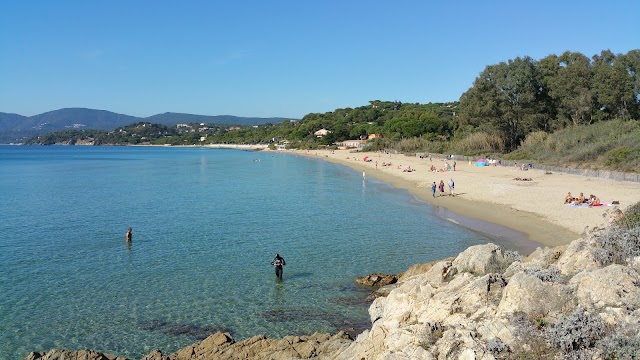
(478, 143)
(409, 145)
(613, 145)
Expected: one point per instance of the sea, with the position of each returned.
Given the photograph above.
(206, 226)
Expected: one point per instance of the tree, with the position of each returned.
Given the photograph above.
(507, 98)
(612, 86)
(570, 88)
(631, 62)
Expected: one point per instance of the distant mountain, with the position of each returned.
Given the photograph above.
(14, 128)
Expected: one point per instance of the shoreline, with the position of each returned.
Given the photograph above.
(496, 204)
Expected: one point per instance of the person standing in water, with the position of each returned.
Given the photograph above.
(278, 262)
(129, 234)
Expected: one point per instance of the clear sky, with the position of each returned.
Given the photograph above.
(274, 58)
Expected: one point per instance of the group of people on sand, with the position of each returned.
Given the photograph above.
(440, 187)
(447, 167)
(592, 200)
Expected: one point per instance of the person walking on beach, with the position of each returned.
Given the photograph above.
(278, 262)
(441, 186)
(433, 189)
(451, 185)
(129, 234)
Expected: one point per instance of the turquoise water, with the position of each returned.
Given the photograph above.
(206, 224)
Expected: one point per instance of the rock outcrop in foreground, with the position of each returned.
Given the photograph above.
(486, 303)
(222, 346)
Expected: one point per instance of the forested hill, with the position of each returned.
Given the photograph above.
(175, 118)
(15, 128)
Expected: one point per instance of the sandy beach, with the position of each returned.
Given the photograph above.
(490, 195)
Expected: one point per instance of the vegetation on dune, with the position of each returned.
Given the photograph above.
(613, 145)
(567, 110)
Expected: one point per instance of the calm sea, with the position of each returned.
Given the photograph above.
(206, 225)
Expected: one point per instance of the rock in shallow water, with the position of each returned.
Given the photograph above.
(173, 329)
(377, 280)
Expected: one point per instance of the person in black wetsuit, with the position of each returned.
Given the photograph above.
(278, 262)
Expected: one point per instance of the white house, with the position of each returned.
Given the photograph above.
(358, 144)
(322, 132)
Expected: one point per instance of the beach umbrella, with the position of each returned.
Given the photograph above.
(366, 158)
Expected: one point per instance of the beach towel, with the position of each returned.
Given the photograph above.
(578, 206)
(587, 206)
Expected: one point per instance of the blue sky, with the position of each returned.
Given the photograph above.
(280, 58)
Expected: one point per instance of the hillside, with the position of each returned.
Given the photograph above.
(15, 127)
(170, 118)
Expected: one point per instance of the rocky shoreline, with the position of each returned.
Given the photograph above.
(580, 300)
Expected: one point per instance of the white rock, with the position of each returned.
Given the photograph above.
(612, 286)
(531, 295)
(479, 259)
(577, 257)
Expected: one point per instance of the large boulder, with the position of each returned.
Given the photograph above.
(468, 296)
(481, 259)
(543, 257)
(406, 299)
(529, 294)
(438, 274)
(613, 286)
(418, 269)
(577, 257)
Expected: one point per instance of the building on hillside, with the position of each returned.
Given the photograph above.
(358, 144)
(374, 136)
(322, 132)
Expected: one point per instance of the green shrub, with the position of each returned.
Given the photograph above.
(630, 218)
(610, 145)
(617, 156)
(519, 154)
